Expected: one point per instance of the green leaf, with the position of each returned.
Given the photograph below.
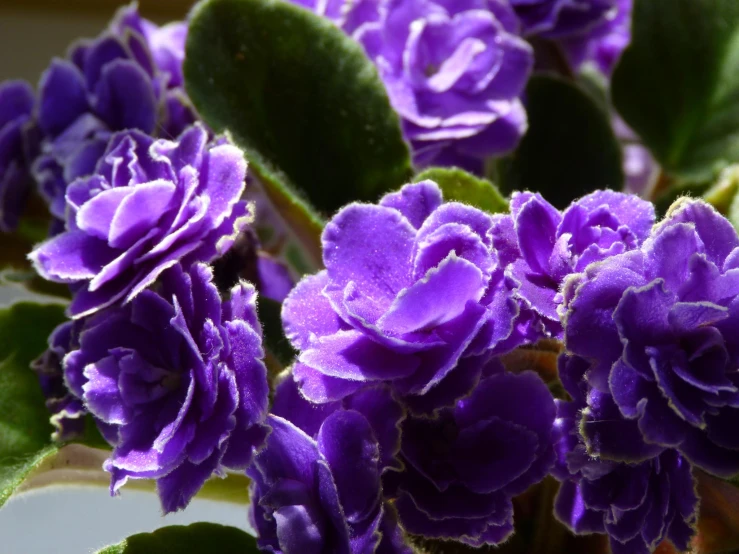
(198, 538)
(25, 431)
(569, 149)
(300, 97)
(457, 184)
(677, 85)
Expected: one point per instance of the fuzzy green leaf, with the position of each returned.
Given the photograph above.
(198, 538)
(460, 186)
(25, 431)
(677, 85)
(301, 98)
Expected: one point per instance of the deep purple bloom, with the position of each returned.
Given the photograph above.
(463, 467)
(603, 44)
(659, 327)
(542, 246)
(177, 382)
(16, 145)
(637, 504)
(129, 77)
(454, 71)
(317, 484)
(67, 410)
(150, 204)
(409, 285)
(561, 18)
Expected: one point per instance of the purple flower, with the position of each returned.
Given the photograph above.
(150, 204)
(317, 484)
(130, 77)
(177, 382)
(409, 284)
(561, 18)
(67, 410)
(463, 467)
(658, 327)
(637, 504)
(542, 246)
(454, 71)
(16, 145)
(602, 44)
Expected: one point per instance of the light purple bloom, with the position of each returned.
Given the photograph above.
(150, 204)
(317, 484)
(454, 71)
(561, 18)
(129, 77)
(177, 382)
(67, 410)
(659, 328)
(16, 146)
(409, 285)
(603, 44)
(462, 467)
(637, 504)
(542, 246)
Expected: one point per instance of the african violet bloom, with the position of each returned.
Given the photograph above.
(637, 504)
(542, 246)
(16, 144)
(560, 18)
(454, 71)
(603, 44)
(317, 484)
(463, 467)
(130, 77)
(658, 326)
(66, 409)
(403, 306)
(176, 380)
(150, 204)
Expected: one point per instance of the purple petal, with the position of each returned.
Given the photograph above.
(421, 307)
(380, 267)
(416, 201)
(350, 355)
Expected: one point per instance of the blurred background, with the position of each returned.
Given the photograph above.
(34, 31)
(82, 520)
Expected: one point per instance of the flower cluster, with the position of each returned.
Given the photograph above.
(639, 504)
(151, 203)
(419, 403)
(176, 382)
(657, 327)
(541, 246)
(419, 312)
(455, 71)
(170, 367)
(129, 77)
(317, 484)
(377, 312)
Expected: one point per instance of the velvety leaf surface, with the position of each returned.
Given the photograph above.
(25, 431)
(301, 98)
(198, 538)
(569, 149)
(460, 186)
(678, 83)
